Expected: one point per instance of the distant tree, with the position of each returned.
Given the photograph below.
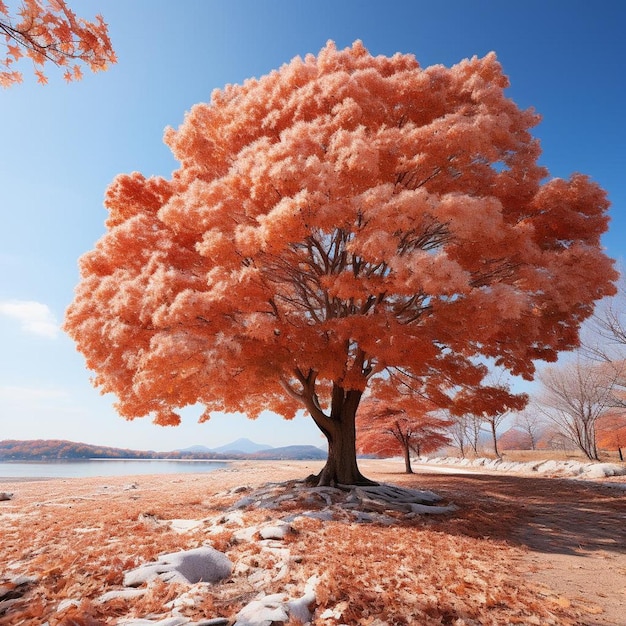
(458, 433)
(604, 339)
(605, 332)
(342, 219)
(489, 404)
(474, 425)
(50, 32)
(574, 396)
(530, 423)
(611, 431)
(400, 428)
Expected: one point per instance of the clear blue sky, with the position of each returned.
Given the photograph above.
(63, 144)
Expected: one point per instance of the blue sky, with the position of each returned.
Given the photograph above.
(63, 144)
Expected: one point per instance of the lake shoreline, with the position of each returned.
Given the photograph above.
(20, 470)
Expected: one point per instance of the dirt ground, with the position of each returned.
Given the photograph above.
(573, 532)
(565, 540)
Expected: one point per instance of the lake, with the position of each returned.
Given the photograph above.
(104, 467)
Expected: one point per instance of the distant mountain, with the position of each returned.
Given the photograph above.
(201, 449)
(290, 452)
(241, 446)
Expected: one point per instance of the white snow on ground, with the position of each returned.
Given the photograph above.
(561, 469)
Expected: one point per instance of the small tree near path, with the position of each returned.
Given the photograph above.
(50, 32)
(388, 430)
(343, 219)
(529, 422)
(611, 431)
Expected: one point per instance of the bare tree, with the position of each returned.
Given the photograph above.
(458, 433)
(603, 339)
(531, 424)
(604, 336)
(574, 396)
(493, 422)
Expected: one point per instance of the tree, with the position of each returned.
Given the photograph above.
(604, 339)
(52, 33)
(574, 397)
(459, 434)
(342, 219)
(530, 424)
(605, 335)
(611, 431)
(473, 425)
(401, 427)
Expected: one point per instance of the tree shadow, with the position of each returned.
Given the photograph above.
(550, 515)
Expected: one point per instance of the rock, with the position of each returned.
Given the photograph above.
(278, 608)
(175, 621)
(5, 495)
(124, 594)
(299, 608)
(168, 621)
(263, 612)
(243, 502)
(602, 470)
(188, 567)
(275, 531)
(67, 604)
(245, 534)
(185, 525)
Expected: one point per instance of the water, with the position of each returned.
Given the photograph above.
(104, 467)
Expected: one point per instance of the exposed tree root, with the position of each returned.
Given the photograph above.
(332, 502)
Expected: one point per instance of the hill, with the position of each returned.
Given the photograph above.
(56, 449)
(291, 453)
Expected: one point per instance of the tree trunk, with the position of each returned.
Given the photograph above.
(341, 467)
(495, 438)
(407, 459)
(621, 456)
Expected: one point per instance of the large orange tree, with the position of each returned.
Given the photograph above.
(342, 219)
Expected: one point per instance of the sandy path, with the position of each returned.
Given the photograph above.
(574, 532)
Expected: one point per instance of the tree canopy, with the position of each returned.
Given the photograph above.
(50, 32)
(344, 218)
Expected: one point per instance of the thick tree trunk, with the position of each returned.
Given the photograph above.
(341, 466)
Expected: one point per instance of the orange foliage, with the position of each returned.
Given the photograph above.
(611, 430)
(340, 219)
(401, 425)
(51, 32)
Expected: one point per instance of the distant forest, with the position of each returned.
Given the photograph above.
(54, 449)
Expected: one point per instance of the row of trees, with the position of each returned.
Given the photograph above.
(580, 404)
